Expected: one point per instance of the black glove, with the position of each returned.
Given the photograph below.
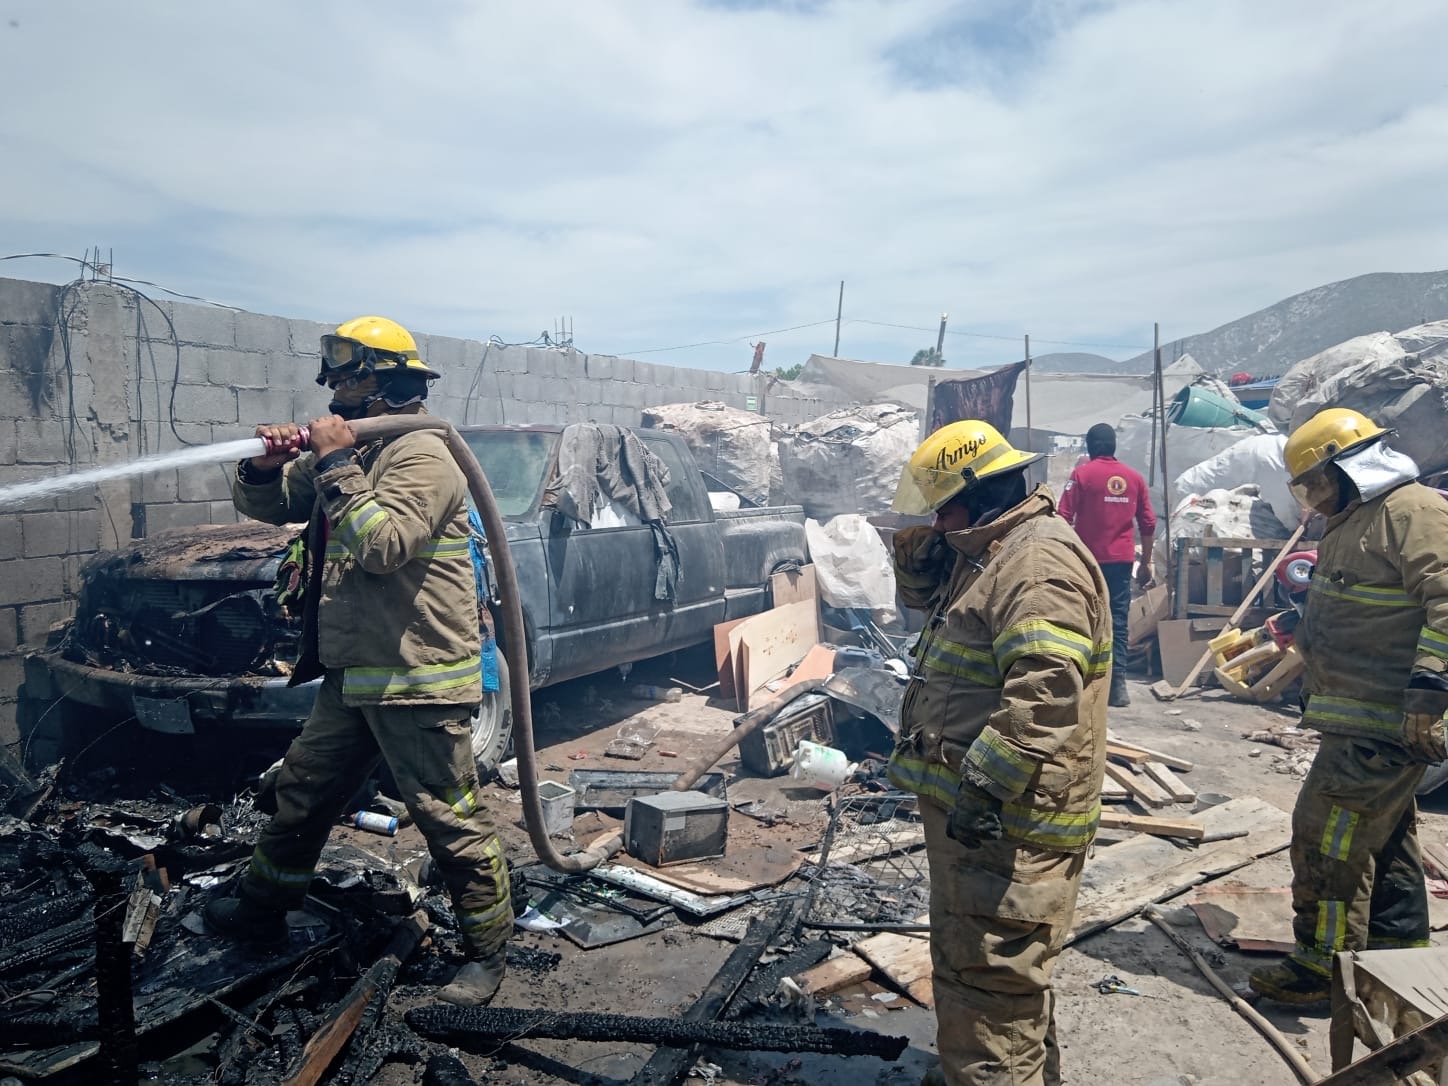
(1425, 717)
(976, 816)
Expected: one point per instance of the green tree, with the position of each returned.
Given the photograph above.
(928, 356)
(789, 373)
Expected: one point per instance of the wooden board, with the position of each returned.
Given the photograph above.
(1123, 878)
(1170, 783)
(768, 644)
(1161, 827)
(1252, 918)
(1171, 761)
(793, 585)
(723, 658)
(1123, 753)
(1111, 792)
(1142, 788)
(740, 870)
(831, 976)
(904, 959)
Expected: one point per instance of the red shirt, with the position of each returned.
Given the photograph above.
(1101, 500)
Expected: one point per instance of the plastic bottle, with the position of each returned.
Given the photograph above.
(377, 823)
(649, 692)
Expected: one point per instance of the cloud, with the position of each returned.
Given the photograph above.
(671, 173)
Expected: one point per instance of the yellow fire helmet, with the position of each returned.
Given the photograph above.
(371, 344)
(1326, 436)
(951, 461)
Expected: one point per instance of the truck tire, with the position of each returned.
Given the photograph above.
(492, 724)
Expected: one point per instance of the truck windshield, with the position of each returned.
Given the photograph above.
(515, 462)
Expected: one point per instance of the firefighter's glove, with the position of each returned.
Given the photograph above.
(922, 557)
(976, 816)
(1425, 729)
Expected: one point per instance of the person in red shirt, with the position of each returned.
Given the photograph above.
(1102, 501)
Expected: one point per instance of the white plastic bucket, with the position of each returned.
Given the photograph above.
(820, 767)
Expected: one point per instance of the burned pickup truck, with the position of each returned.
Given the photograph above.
(183, 632)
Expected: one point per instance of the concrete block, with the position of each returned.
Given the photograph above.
(572, 365)
(542, 363)
(160, 518)
(666, 378)
(44, 441)
(30, 580)
(236, 369)
(505, 359)
(195, 367)
(156, 488)
(7, 442)
(26, 302)
(528, 387)
(10, 541)
(206, 483)
(223, 512)
(278, 404)
(206, 403)
(714, 380)
(34, 620)
(260, 332)
(24, 348)
(10, 730)
(44, 534)
(558, 390)
(206, 325)
(305, 338)
(297, 372)
(9, 629)
(449, 355)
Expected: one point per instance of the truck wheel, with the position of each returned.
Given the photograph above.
(493, 724)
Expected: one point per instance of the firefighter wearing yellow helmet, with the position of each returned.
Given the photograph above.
(1003, 738)
(1375, 639)
(390, 625)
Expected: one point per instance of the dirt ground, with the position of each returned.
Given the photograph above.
(1178, 1031)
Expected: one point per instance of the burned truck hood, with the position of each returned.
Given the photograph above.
(196, 601)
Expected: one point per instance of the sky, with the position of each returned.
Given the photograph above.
(681, 180)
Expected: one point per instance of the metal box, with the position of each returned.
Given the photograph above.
(675, 827)
(768, 751)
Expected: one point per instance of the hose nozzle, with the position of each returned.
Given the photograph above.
(301, 440)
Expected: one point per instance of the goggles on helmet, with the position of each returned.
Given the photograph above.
(343, 358)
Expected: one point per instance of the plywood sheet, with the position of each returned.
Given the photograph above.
(740, 870)
(1121, 879)
(904, 959)
(769, 643)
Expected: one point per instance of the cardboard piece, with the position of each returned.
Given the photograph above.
(818, 663)
(764, 646)
(1147, 610)
(1182, 643)
(723, 657)
(793, 585)
(1254, 919)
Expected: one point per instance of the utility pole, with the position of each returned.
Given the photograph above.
(839, 312)
(1030, 437)
(940, 339)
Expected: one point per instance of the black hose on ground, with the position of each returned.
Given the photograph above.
(515, 643)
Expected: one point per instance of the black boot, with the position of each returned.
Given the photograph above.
(245, 921)
(476, 982)
(1118, 697)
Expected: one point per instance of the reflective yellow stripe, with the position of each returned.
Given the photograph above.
(1001, 762)
(440, 548)
(462, 802)
(973, 665)
(290, 878)
(1337, 834)
(1050, 829)
(1368, 594)
(1042, 638)
(1433, 643)
(1101, 660)
(431, 679)
(1370, 718)
(358, 524)
(1329, 937)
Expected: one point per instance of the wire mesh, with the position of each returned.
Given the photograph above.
(872, 872)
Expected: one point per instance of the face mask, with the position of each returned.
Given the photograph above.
(1319, 490)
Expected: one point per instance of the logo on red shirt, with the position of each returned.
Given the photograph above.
(1116, 486)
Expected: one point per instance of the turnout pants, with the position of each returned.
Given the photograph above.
(429, 750)
(1357, 873)
(999, 915)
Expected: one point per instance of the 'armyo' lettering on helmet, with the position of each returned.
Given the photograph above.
(950, 455)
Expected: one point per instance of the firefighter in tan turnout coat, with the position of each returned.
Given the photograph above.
(391, 625)
(1003, 737)
(1375, 640)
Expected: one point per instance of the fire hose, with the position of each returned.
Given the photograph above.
(514, 640)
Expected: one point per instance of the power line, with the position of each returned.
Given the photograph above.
(724, 342)
(1008, 339)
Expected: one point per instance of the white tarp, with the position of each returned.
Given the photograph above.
(732, 445)
(1400, 381)
(852, 566)
(1186, 446)
(1063, 403)
(1256, 459)
(1236, 513)
(848, 461)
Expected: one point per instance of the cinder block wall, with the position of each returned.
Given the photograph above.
(94, 374)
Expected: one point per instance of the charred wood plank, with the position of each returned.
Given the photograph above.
(484, 1027)
(343, 1019)
(39, 947)
(115, 1003)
